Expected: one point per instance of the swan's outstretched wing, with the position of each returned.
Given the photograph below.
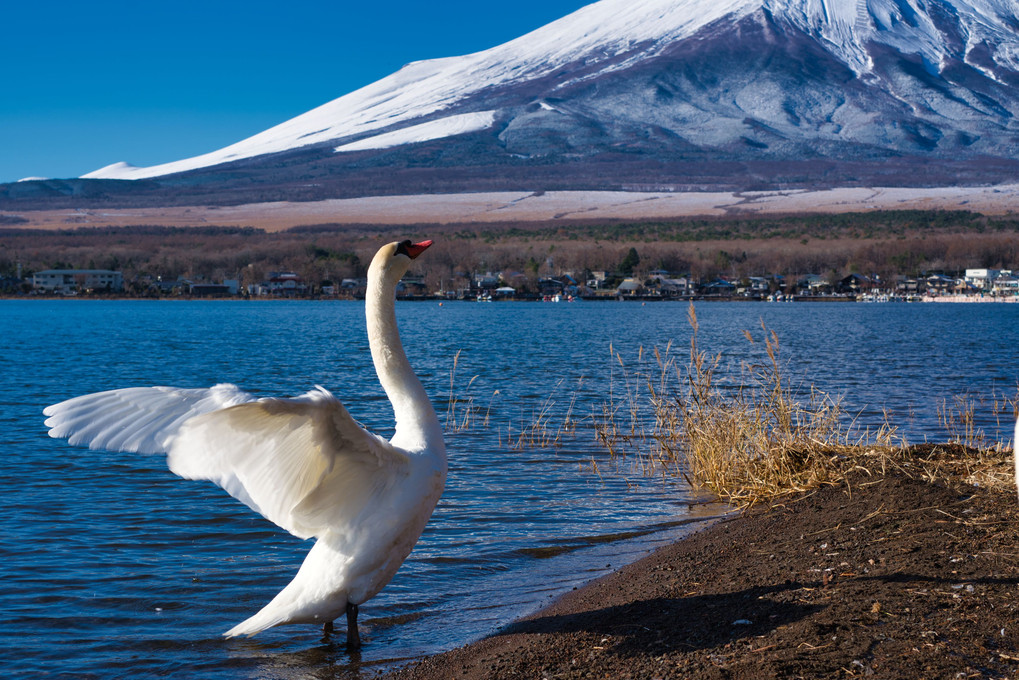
(142, 419)
(302, 463)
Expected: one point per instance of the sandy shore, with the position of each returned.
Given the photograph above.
(889, 577)
(539, 207)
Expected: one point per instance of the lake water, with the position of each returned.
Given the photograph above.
(111, 566)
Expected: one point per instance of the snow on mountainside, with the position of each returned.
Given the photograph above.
(666, 76)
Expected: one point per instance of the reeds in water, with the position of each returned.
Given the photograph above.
(546, 428)
(747, 434)
(958, 417)
(745, 438)
(758, 439)
(462, 414)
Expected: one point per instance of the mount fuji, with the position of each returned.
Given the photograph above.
(648, 93)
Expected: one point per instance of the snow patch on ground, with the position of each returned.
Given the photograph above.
(538, 207)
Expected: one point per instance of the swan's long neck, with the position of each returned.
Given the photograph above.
(416, 422)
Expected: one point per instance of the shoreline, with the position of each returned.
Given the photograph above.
(889, 576)
(973, 299)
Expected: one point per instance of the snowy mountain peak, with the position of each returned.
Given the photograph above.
(660, 46)
(113, 170)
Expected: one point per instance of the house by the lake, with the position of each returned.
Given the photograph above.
(74, 281)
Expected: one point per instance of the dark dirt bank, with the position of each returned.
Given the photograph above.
(888, 577)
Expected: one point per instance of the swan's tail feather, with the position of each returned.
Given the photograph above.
(256, 624)
(314, 596)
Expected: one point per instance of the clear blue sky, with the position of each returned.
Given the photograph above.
(89, 83)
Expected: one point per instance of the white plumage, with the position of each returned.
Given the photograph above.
(1015, 452)
(302, 463)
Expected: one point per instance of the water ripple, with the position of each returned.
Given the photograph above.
(114, 567)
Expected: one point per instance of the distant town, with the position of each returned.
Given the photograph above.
(970, 285)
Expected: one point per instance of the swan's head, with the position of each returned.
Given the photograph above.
(393, 260)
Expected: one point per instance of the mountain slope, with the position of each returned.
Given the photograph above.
(597, 33)
(684, 93)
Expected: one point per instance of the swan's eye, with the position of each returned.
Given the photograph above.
(403, 248)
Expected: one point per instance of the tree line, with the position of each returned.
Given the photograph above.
(886, 244)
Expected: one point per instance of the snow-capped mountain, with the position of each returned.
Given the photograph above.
(683, 81)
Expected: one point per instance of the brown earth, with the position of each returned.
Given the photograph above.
(888, 576)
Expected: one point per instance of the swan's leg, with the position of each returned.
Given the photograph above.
(327, 628)
(353, 638)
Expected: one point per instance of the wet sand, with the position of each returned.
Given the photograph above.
(889, 577)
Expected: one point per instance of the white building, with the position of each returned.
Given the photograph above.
(681, 285)
(982, 278)
(1006, 285)
(283, 284)
(759, 285)
(70, 281)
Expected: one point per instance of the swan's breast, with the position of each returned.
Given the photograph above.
(388, 538)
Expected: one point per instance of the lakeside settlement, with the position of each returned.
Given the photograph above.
(971, 285)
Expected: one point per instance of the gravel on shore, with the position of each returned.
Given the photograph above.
(888, 576)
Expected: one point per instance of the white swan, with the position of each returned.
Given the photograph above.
(1015, 452)
(302, 463)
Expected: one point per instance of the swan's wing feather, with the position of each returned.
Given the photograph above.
(303, 463)
(142, 419)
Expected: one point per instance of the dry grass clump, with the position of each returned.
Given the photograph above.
(757, 438)
(988, 467)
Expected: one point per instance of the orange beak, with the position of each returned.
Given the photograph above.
(415, 249)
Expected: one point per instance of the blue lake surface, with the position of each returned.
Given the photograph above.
(111, 566)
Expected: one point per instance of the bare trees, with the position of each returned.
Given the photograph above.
(885, 244)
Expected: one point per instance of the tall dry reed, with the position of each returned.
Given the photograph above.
(758, 440)
(462, 414)
(744, 439)
(958, 416)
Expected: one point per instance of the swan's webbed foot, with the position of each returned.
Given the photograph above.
(353, 638)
